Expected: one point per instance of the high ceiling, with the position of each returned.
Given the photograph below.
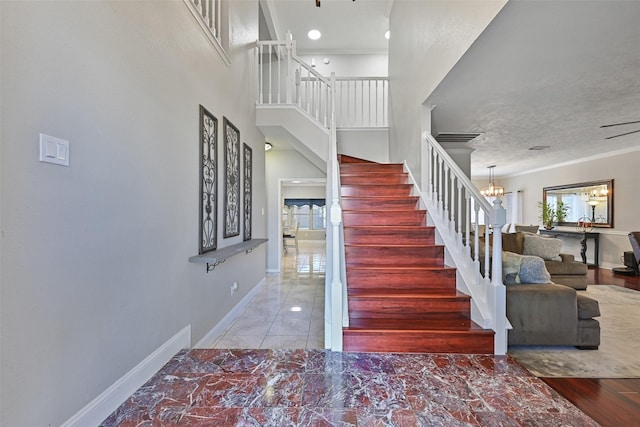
(347, 26)
(544, 73)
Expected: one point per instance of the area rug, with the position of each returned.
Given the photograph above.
(619, 353)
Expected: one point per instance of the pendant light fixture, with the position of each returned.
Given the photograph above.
(492, 190)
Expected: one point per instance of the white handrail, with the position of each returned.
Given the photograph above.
(454, 203)
(283, 78)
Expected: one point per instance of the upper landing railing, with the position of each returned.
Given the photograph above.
(208, 14)
(283, 78)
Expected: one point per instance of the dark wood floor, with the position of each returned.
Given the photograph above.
(602, 276)
(609, 401)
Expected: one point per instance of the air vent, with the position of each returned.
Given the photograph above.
(539, 147)
(448, 137)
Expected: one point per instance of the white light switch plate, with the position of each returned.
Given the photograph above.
(54, 150)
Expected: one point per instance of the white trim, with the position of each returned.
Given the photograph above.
(108, 401)
(218, 330)
(273, 270)
(577, 161)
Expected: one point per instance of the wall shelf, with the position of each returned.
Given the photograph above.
(218, 256)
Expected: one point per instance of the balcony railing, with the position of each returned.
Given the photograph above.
(208, 14)
(362, 101)
(284, 78)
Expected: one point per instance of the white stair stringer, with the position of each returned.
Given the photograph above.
(289, 123)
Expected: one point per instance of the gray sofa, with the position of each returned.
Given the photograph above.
(552, 314)
(566, 271)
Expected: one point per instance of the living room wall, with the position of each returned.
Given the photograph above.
(95, 274)
(621, 167)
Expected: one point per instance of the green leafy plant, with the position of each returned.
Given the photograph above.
(547, 214)
(562, 210)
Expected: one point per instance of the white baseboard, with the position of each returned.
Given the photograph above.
(102, 406)
(211, 337)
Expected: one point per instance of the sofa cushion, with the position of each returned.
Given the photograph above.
(527, 228)
(511, 268)
(544, 247)
(533, 270)
(587, 307)
(513, 242)
(566, 268)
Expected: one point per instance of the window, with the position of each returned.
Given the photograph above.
(310, 214)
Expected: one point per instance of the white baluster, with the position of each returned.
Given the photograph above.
(476, 234)
(258, 63)
(269, 74)
(279, 59)
(467, 222)
(459, 223)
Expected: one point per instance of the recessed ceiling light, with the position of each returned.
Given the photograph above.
(387, 34)
(314, 34)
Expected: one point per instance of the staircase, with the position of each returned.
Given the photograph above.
(401, 296)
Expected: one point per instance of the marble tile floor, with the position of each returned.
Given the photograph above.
(269, 369)
(266, 387)
(289, 311)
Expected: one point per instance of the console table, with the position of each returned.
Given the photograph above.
(583, 242)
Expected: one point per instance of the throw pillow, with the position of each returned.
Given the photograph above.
(544, 247)
(511, 268)
(533, 270)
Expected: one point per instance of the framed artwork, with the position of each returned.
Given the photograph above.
(246, 179)
(208, 181)
(231, 179)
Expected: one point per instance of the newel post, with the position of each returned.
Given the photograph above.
(498, 290)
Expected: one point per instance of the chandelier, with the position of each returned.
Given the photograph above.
(492, 190)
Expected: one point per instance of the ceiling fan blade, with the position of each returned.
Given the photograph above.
(623, 134)
(620, 124)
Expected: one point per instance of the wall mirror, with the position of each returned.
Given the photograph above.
(591, 200)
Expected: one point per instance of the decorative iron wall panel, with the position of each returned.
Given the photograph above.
(246, 179)
(208, 181)
(232, 179)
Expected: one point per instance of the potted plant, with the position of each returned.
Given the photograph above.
(547, 215)
(562, 210)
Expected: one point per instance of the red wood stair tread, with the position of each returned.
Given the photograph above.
(401, 295)
(417, 325)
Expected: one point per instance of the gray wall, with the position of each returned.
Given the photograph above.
(427, 39)
(95, 273)
(621, 167)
